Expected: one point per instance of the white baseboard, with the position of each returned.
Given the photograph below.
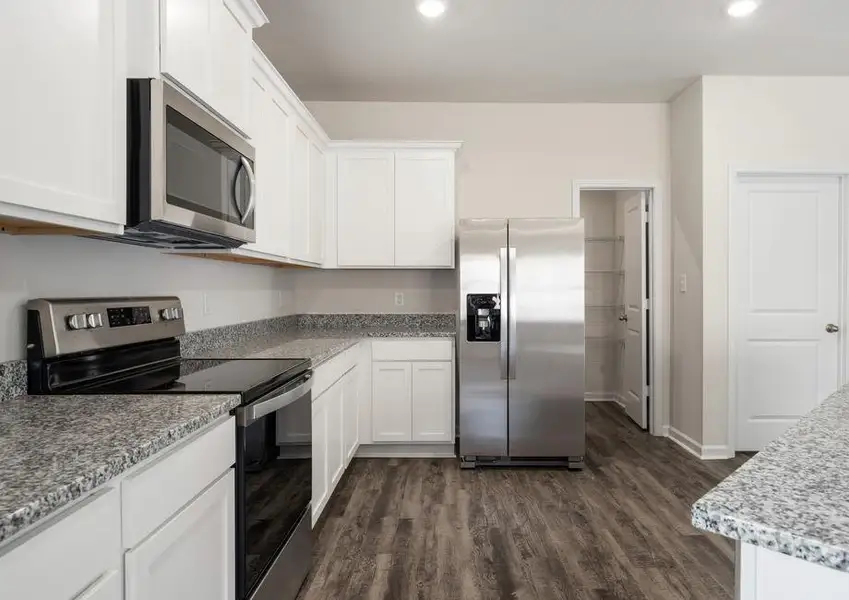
(697, 449)
(686, 442)
(406, 451)
(717, 452)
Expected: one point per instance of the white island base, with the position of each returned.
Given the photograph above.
(767, 575)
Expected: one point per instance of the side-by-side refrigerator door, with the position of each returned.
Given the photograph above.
(482, 337)
(546, 387)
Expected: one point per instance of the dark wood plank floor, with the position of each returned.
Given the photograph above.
(424, 529)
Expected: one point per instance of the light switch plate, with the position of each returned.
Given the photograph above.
(682, 283)
(399, 298)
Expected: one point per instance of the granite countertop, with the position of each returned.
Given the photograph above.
(55, 449)
(318, 344)
(793, 497)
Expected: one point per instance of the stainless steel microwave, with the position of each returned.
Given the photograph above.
(190, 176)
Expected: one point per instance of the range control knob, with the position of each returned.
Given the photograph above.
(167, 314)
(94, 320)
(77, 322)
(178, 313)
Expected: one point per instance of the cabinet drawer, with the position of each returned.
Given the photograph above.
(151, 496)
(411, 350)
(328, 373)
(71, 555)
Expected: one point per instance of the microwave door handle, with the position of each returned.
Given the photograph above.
(249, 414)
(252, 197)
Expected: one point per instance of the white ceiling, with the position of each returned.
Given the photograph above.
(543, 50)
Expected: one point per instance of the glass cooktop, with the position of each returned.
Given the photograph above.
(248, 377)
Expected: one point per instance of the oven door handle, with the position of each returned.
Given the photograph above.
(247, 415)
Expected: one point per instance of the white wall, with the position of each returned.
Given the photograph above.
(517, 160)
(48, 266)
(756, 123)
(686, 204)
(374, 291)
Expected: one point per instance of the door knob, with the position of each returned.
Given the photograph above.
(832, 328)
(623, 318)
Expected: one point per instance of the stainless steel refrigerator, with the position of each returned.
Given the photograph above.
(520, 342)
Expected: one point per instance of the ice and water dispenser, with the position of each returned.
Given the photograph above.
(483, 318)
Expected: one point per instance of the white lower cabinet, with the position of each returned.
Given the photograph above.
(432, 407)
(335, 426)
(335, 460)
(351, 414)
(391, 403)
(412, 391)
(191, 557)
(320, 480)
(77, 555)
(172, 520)
(107, 587)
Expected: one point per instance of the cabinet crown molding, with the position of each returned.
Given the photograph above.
(252, 10)
(395, 145)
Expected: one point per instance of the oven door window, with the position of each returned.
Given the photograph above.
(276, 480)
(204, 175)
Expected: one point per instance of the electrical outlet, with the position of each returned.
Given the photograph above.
(279, 298)
(207, 306)
(399, 298)
(682, 283)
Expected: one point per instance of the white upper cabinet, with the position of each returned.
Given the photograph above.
(203, 45)
(62, 112)
(318, 197)
(186, 44)
(424, 209)
(300, 215)
(395, 204)
(365, 208)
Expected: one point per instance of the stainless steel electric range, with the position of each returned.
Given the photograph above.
(131, 346)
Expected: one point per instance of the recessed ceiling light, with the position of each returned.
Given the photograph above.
(742, 8)
(432, 9)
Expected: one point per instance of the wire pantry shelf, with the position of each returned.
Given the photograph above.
(605, 306)
(602, 338)
(602, 271)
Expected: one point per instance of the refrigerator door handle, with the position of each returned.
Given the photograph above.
(511, 314)
(503, 291)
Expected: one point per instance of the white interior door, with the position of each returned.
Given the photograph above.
(785, 249)
(634, 375)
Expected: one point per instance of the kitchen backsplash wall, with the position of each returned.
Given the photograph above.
(213, 293)
(375, 291)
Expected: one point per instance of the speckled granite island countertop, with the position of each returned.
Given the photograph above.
(793, 497)
(55, 449)
(316, 344)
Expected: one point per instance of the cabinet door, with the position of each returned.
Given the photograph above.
(365, 209)
(432, 402)
(299, 221)
(107, 587)
(231, 55)
(351, 413)
(277, 226)
(186, 43)
(192, 556)
(424, 209)
(318, 186)
(335, 450)
(391, 410)
(63, 107)
(320, 480)
(258, 129)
